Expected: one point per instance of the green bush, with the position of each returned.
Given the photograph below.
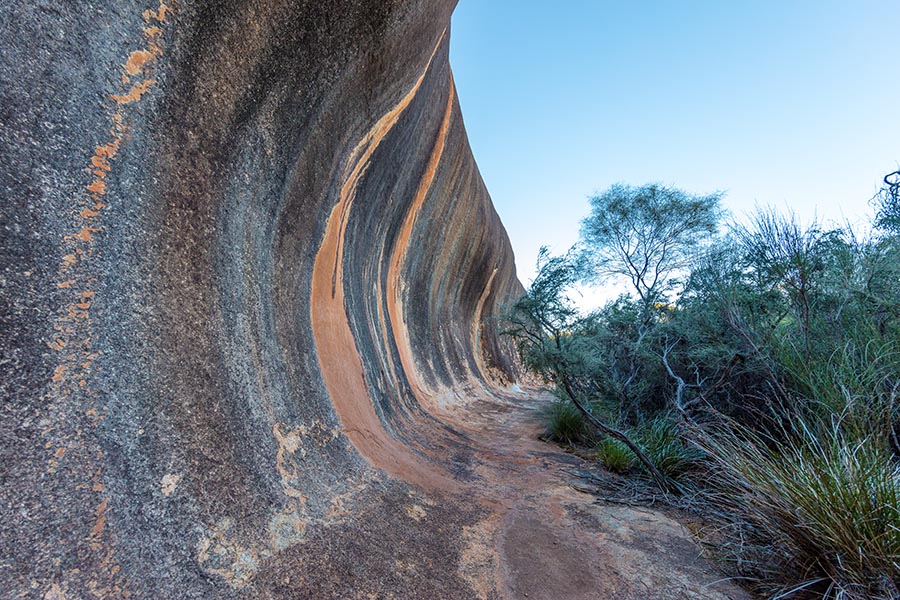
(818, 511)
(564, 423)
(615, 455)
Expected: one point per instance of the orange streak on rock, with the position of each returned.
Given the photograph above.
(339, 359)
(107, 150)
(135, 93)
(159, 14)
(85, 234)
(100, 162)
(99, 524)
(73, 325)
(137, 60)
(97, 186)
(394, 302)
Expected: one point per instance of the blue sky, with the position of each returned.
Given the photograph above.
(791, 104)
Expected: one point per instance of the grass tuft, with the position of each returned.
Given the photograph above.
(564, 423)
(666, 448)
(819, 512)
(615, 455)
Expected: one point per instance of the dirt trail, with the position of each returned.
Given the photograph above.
(546, 540)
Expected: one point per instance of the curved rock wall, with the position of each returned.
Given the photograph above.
(249, 272)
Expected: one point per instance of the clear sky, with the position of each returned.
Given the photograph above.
(785, 103)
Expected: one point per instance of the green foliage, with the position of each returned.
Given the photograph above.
(540, 322)
(646, 234)
(784, 256)
(615, 455)
(816, 509)
(564, 423)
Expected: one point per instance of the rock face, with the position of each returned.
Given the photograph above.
(249, 276)
(248, 263)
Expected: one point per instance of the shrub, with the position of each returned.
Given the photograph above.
(615, 455)
(819, 512)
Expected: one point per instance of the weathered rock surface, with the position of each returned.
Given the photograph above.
(249, 275)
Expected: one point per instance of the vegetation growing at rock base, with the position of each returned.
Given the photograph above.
(757, 370)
